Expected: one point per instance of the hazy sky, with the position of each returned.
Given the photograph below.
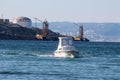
(63, 10)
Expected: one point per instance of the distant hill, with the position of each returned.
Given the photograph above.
(109, 32)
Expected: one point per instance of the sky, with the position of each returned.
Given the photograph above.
(63, 10)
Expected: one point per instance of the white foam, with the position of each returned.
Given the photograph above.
(44, 55)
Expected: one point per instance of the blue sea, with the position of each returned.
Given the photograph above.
(33, 60)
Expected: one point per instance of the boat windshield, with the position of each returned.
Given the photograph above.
(67, 42)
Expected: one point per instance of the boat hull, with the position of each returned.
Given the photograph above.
(66, 54)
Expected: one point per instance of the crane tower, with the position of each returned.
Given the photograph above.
(81, 32)
(45, 29)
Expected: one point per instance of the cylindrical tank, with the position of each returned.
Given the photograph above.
(23, 21)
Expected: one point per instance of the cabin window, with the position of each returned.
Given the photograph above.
(64, 42)
(67, 42)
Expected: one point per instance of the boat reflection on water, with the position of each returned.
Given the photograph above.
(66, 49)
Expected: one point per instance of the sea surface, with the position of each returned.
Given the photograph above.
(33, 60)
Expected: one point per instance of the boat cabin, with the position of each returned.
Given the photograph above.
(65, 43)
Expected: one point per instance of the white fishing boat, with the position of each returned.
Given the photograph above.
(66, 48)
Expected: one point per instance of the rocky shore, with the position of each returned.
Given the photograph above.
(16, 32)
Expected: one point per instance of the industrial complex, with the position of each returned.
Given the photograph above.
(21, 29)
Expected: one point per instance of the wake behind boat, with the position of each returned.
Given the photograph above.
(66, 48)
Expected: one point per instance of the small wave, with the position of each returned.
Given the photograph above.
(10, 72)
(8, 52)
(24, 53)
(15, 52)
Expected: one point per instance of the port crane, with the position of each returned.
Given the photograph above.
(45, 28)
(80, 31)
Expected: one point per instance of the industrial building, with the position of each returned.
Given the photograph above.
(4, 21)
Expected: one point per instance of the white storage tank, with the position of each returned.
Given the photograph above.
(23, 21)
